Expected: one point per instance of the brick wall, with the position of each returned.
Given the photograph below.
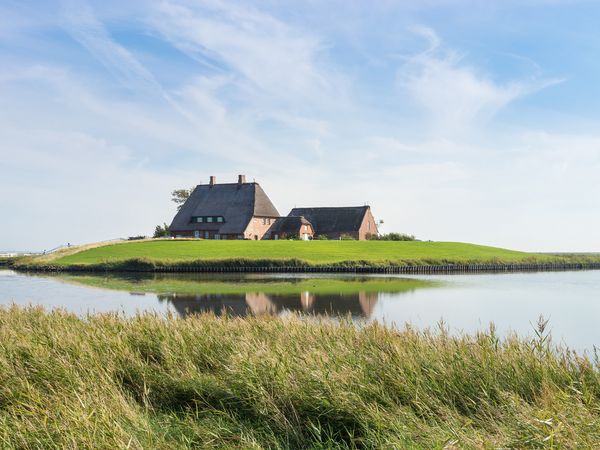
(368, 226)
(257, 227)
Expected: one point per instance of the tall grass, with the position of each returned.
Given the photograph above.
(150, 382)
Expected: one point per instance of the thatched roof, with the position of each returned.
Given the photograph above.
(289, 224)
(237, 203)
(333, 219)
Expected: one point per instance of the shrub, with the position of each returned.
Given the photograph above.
(321, 237)
(347, 237)
(136, 238)
(391, 237)
(161, 231)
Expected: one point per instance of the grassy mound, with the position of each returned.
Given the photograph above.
(149, 382)
(294, 253)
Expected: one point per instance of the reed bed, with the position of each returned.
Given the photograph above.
(105, 381)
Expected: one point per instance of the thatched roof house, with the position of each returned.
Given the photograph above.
(286, 227)
(244, 211)
(225, 211)
(334, 222)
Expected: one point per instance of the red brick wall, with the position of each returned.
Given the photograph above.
(368, 226)
(257, 227)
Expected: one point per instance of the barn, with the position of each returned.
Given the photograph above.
(335, 222)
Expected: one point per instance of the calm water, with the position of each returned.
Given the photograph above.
(571, 300)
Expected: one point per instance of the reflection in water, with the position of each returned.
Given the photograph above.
(359, 305)
(466, 302)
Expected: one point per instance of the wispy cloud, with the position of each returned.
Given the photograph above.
(267, 54)
(455, 94)
(82, 24)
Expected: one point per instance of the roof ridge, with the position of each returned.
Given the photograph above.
(227, 184)
(330, 207)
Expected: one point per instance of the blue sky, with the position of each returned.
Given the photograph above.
(456, 120)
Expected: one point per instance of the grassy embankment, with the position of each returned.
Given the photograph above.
(7, 261)
(146, 255)
(149, 382)
(198, 284)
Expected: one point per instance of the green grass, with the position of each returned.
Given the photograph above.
(199, 284)
(207, 382)
(312, 252)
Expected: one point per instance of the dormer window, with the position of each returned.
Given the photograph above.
(207, 219)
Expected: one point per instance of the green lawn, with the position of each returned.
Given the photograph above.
(314, 252)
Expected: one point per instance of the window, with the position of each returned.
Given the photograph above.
(209, 219)
(217, 236)
(199, 219)
(219, 219)
(196, 234)
(206, 235)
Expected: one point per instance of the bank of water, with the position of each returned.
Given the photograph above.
(465, 303)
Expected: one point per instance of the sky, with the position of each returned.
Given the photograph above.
(472, 121)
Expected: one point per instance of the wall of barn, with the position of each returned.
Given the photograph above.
(368, 226)
(257, 227)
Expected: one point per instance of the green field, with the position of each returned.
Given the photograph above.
(206, 382)
(311, 252)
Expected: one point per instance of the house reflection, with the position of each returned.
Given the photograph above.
(358, 305)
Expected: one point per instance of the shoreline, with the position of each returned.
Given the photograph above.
(300, 267)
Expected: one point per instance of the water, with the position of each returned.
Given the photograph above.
(466, 303)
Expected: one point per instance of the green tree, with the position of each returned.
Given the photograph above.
(161, 231)
(180, 196)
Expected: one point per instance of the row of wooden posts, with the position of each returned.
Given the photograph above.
(421, 269)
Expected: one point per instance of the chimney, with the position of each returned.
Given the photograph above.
(213, 180)
(241, 179)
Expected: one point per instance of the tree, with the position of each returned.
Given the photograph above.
(161, 231)
(180, 196)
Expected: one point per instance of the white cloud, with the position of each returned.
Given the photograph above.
(456, 95)
(83, 25)
(268, 54)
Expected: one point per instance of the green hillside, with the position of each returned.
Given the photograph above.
(312, 252)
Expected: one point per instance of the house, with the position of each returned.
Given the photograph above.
(244, 211)
(225, 211)
(291, 227)
(335, 222)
